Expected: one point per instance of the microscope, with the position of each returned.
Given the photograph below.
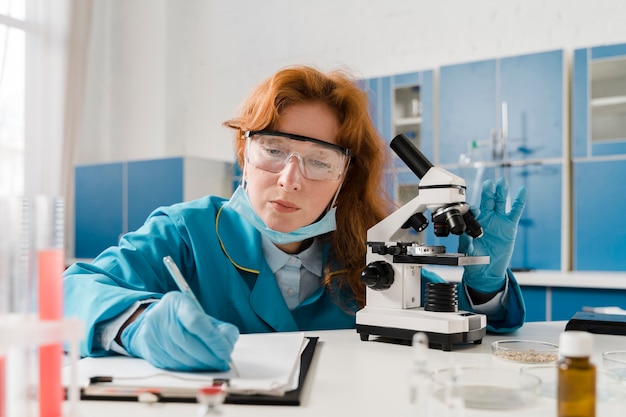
(394, 307)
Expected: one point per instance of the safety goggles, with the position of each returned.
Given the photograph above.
(318, 160)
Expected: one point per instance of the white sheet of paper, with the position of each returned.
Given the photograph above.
(268, 363)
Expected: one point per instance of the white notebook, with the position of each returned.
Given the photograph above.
(265, 363)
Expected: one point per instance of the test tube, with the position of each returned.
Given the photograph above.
(49, 245)
(4, 294)
(31, 264)
(20, 363)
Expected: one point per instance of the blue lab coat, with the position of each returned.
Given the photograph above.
(220, 254)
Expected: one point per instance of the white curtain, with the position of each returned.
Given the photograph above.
(76, 75)
(56, 62)
(46, 64)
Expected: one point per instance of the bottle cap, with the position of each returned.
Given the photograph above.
(576, 344)
(212, 395)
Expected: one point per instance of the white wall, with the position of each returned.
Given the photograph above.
(165, 74)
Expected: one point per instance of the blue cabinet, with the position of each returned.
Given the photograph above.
(535, 301)
(99, 207)
(538, 243)
(467, 111)
(507, 109)
(507, 118)
(561, 303)
(568, 301)
(379, 93)
(599, 157)
(151, 184)
(599, 198)
(599, 101)
(114, 198)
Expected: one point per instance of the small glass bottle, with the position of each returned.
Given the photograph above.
(211, 399)
(576, 376)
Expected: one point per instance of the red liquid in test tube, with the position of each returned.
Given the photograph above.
(51, 266)
(2, 389)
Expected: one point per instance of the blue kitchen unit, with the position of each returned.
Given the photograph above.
(599, 157)
(114, 198)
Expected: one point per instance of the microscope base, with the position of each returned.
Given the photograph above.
(443, 329)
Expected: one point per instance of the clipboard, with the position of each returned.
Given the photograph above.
(289, 398)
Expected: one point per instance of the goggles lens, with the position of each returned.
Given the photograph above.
(318, 160)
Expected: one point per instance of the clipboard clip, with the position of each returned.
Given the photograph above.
(142, 395)
(100, 387)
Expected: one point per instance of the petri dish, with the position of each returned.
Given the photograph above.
(525, 351)
(615, 361)
(485, 388)
(609, 387)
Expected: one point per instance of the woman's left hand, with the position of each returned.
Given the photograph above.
(498, 239)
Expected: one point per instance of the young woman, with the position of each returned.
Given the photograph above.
(286, 251)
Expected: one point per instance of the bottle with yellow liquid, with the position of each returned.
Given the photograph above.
(576, 376)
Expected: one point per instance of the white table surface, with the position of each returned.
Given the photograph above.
(352, 377)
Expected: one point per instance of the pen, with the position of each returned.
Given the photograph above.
(180, 281)
(182, 285)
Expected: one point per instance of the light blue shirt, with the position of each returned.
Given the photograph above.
(298, 276)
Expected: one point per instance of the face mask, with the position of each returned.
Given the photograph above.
(240, 202)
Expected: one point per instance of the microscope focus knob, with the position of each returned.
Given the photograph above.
(378, 275)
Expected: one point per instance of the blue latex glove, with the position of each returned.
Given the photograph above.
(173, 333)
(498, 239)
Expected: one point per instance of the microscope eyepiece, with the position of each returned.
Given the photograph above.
(411, 156)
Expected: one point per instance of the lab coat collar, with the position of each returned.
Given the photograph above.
(240, 241)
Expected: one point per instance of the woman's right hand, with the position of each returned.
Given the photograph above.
(173, 333)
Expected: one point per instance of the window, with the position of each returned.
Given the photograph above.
(34, 39)
(12, 92)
